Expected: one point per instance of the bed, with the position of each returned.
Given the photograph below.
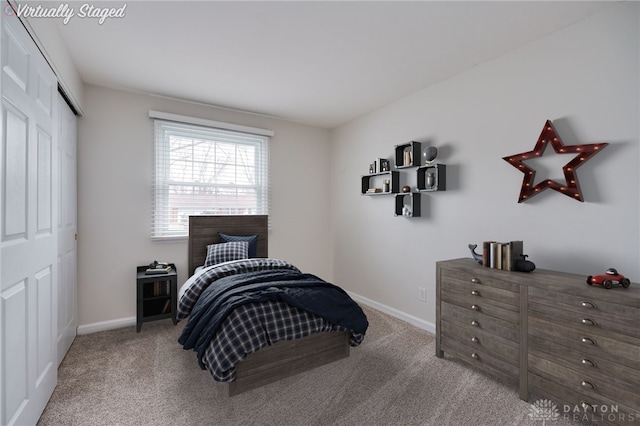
(300, 321)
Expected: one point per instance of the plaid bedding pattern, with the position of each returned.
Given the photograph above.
(208, 276)
(256, 325)
(223, 252)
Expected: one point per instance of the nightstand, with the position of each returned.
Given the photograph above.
(157, 296)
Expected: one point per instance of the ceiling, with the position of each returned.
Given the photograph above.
(317, 63)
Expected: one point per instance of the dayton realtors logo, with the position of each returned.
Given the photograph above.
(65, 12)
(545, 411)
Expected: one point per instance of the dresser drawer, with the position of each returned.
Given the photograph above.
(476, 339)
(622, 317)
(464, 316)
(589, 385)
(575, 406)
(484, 277)
(586, 363)
(618, 347)
(480, 288)
(482, 359)
(583, 319)
(483, 305)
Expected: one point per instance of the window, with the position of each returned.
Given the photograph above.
(202, 168)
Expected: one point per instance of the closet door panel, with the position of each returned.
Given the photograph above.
(28, 235)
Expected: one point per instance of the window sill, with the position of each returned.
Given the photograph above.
(171, 239)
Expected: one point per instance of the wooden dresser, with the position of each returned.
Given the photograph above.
(549, 332)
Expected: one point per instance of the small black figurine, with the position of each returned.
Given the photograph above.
(524, 265)
(477, 257)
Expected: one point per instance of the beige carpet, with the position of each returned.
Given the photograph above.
(122, 377)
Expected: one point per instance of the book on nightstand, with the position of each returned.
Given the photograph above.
(158, 268)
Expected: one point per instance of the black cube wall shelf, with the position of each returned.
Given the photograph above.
(413, 203)
(438, 182)
(407, 155)
(378, 179)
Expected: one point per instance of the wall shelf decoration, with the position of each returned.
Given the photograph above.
(371, 182)
(429, 155)
(413, 205)
(549, 136)
(432, 178)
(407, 155)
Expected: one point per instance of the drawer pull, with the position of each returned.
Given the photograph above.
(475, 340)
(475, 280)
(587, 321)
(586, 384)
(587, 305)
(586, 361)
(475, 356)
(586, 407)
(475, 323)
(475, 293)
(587, 341)
(475, 307)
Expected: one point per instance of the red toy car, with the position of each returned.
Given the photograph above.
(609, 279)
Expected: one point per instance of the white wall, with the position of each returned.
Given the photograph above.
(585, 79)
(114, 197)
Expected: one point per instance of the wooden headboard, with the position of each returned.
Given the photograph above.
(203, 230)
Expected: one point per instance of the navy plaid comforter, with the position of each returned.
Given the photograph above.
(258, 302)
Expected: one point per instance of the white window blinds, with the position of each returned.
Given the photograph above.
(202, 170)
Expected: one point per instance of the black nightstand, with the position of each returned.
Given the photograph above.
(157, 296)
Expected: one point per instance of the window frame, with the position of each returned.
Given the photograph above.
(167, 125)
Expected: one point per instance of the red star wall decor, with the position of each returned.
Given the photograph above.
(549, 136)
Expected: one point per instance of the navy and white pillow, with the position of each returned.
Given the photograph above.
(251, 239)
(225, 252)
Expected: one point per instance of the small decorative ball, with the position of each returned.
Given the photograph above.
(429, 154)
(406, 188)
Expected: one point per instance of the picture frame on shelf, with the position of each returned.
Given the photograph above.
(381, 165)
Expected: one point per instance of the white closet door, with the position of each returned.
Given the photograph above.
(28, 230)
(67, 228)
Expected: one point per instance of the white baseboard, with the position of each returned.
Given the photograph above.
(420, 323)
(127, 322)
(106, 325)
